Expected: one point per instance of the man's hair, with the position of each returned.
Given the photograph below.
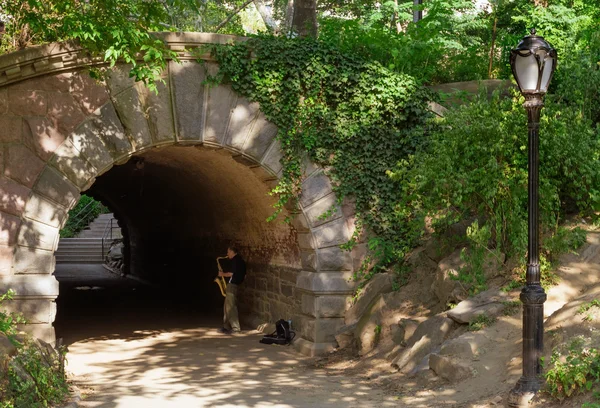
(233, 248)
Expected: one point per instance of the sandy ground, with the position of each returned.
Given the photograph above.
(128, 351)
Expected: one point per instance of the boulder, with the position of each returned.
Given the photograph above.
(448, 368)
(345, 336)
(380, 283)
(444, 287)
(427, 338)
(368, 329)
(491, 303)
(405, 329)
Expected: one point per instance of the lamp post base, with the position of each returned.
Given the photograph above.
(523, 392)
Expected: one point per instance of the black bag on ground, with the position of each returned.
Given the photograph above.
(282, 335)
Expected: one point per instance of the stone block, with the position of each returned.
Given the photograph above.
(324, 306)
(65, 110)
(39, 286)
(33, 261)
(345, 336)
(320, 330)
(111, 131)
(272, 159)
(41, 331)
(27, 103)
(221, 102)
(12, 196)
(312, 349)
(44, 211)
(334, 233)
(305, 240)
(89, 93)
(260, 138)
(334, 259)
(159, 112)
(57, 188)
(87, 140)
(34, 234)
(56, 82)
(241, 121)
(308, 260)
(132, 116)
(67, 159)
(11, 128)
(325, 282)
(315, 212)
(22, 165)
(287, 290)
(9, 229)
(43, 134)
(6, 259)
(314, 187)
(308, 167)
(300, 223)
(34, 310)
(118, 79)
(189, 99)
(380, 283)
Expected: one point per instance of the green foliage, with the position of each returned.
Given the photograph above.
(353, 117)
(511, 307)
(38, 382)
(85, 211)
(475, 164)
(576, 370)
(9, 321)
(481, 321)
(116, 30)
(33, 377)
(586, 307)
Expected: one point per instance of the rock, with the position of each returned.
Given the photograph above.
(345, 336)
(380, 283)
(406, 328)
(7, 348)
(444, 287)
(449, 369)
(491, 303)
(368, 329)
(426, 339)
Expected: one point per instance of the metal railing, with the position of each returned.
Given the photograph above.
(107, 235)
(81, 216)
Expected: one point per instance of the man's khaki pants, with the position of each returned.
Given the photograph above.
(230, 311)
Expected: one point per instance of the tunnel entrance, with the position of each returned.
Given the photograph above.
(179, 207)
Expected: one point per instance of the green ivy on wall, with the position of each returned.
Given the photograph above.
(353, 117)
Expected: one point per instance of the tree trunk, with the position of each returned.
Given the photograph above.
(304, 22)
(267, 15)
(494, 33)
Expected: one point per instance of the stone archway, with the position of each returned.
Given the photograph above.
(60, 130)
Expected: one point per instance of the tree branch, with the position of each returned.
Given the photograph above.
(229, 17)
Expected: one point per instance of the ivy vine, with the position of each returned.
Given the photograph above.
(353, 117)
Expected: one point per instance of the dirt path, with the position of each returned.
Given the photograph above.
(129, 349)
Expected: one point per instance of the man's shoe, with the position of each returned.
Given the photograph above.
(223, 330)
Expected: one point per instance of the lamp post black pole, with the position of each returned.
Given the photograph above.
(532, 295)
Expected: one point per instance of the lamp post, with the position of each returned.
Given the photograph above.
(533, 63)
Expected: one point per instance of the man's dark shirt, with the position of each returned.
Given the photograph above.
(238, 267)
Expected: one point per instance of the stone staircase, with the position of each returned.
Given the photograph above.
(87, 247)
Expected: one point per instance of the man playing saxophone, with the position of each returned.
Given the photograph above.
(231, 322)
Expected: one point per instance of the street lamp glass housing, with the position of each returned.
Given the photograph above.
(533, 63)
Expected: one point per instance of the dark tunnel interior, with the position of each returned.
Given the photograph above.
(179, 207)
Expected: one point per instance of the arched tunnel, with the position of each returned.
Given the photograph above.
(179, 208)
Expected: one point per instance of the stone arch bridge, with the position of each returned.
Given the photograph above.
(186, 171)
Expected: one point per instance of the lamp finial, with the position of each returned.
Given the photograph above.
(533, 31)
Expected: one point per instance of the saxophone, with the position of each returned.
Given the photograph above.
(220, 280)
